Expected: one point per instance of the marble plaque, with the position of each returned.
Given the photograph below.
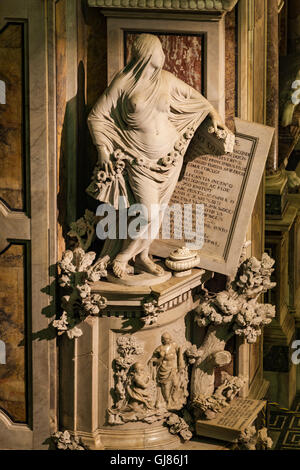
(240, 413)
(227, 185)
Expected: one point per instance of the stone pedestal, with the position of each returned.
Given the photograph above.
(276, 195)
(279, 335)
(294, 261)
(294, 271)
(86, 364)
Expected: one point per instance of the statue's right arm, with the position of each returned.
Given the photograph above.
(156, 356)
(98, 117)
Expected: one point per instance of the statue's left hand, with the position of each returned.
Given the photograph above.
(104, 159)
(217, 120)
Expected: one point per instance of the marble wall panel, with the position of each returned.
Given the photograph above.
(61, 87)
(259, 115)
(12, 326)
(96, 82)
(11, 117)
(255, 358)
(230, 68)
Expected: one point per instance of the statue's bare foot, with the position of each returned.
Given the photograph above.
(146, 264)
(121, 268)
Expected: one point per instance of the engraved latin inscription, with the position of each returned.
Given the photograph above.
(218, 182)
(239, 414)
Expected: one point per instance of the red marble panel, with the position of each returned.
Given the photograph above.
(184, 55)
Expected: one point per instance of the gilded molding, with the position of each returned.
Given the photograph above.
(175, 5)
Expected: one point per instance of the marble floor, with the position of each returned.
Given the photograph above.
(284, 426)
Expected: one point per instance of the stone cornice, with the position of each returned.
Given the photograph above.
(169, 5)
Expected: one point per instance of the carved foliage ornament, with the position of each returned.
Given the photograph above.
(65, 441)
(151, 311)
(232, 311)
(77, 272)
(253, 439)
(237, 307)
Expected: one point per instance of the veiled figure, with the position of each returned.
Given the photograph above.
(142, 126)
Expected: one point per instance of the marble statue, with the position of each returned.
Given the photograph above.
(142, 126)
(141, 389)
(170, 373)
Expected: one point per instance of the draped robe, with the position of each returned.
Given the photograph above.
(116, 124)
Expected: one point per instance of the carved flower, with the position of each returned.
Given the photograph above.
(206, 309)
(254, 264)
(90, 308)
(98, 270)
(227, 304)
(119, 154)
(202, 321)
(83, 260)
(66, 262)
(266, 312)
(189, 133)
(120, 165)
(267, 262)
(141, 161)
(247, 434)
(100, 300)
(216, 318)
(64, 280)
(74, 332)
(167, 160)
(101, 176)
(84, 290)
(174, 155)
(227, 318)
(62, 323)
(64, 441)
(179, 146)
